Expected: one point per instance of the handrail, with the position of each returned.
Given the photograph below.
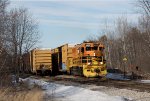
(87, 60)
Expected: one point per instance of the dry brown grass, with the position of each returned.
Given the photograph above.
(10, 94)
(20, 92)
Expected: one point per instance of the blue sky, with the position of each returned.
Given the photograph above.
(72, 21)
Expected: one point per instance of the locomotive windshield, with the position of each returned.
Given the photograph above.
(91, 48)
(88, 47)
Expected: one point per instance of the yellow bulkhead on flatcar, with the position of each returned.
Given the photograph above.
(61, 58)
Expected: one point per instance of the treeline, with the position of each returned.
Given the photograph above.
(127, 47)
(18, 34)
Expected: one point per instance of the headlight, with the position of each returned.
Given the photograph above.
(89, 63)
(101, 63)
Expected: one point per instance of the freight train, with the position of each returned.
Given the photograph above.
(85, 59)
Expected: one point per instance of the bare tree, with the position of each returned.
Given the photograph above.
(22, 36)
(145, 6)
(144, 23)
(3, 5)
(4, 57)
(18, 34)
(3, 28)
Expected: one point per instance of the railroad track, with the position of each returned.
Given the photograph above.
(66, 79)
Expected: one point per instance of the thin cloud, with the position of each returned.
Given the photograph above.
(74, 16)
(70, 24)
(45, 11)
(80, 16)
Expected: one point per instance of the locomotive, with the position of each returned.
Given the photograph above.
(88, 60)
(85, 59)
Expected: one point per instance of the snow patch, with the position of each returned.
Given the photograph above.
(144, 81)
(116, 76)
(72, 93)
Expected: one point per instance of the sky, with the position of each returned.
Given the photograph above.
(73, 21)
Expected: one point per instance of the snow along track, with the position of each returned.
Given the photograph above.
(97, 81)
(59, 92)
(130, 93)
(76, 80)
